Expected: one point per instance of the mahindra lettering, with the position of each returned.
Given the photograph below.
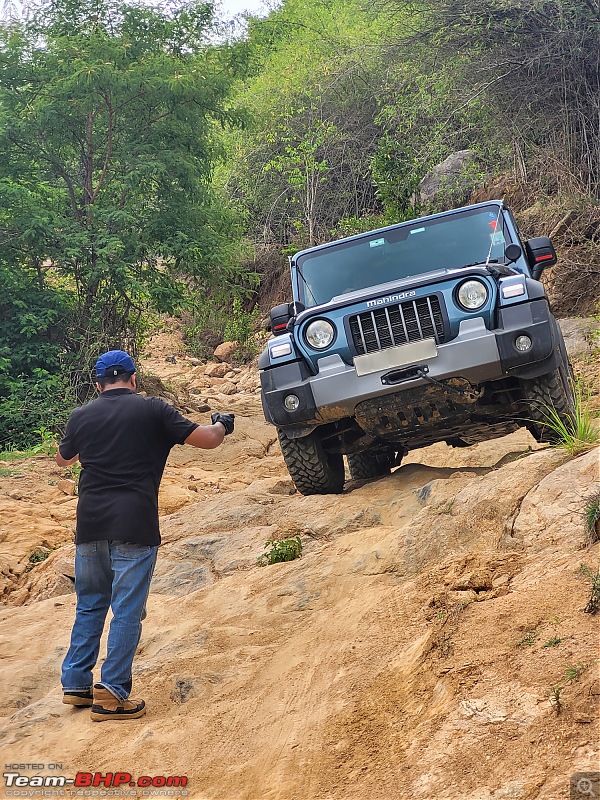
(434, 330)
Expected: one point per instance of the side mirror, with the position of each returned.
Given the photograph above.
(540, 254)
(280, 316)
(512, 253)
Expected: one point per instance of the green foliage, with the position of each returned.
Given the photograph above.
(204, 329)
(240, 327)
(73, 471)
(125, 123)
(31, 402)
(352, 103)
(108, 115)
(593, 603)
(44, 444)
(281, 549)
(34, 375)
(570, 674)
(554, 696)
(573, 672)
(550, 92)
(591, 518)
(578, 435)
(553, 641)
(39, 555)
(302, 164)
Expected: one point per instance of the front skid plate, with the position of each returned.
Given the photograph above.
(432, 413)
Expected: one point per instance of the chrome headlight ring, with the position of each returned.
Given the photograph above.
(472, 295)
(319, 334)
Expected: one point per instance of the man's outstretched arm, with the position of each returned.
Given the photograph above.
(210, 436)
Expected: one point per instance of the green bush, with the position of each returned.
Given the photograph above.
(281, 549)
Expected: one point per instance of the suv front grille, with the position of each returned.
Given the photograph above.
(397, 324)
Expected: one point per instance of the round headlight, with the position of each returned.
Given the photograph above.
(320, 334)
(472, 295)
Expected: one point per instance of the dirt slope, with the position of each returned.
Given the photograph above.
(414, 651)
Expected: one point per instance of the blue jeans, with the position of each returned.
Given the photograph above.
(113, 575)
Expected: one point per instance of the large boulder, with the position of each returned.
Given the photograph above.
(216, 370)
(580, 334)
(225, 351)
(453, 179)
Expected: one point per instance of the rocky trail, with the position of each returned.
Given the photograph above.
(430, 644)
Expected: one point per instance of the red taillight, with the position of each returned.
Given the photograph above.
(544, 258)
(280, 327)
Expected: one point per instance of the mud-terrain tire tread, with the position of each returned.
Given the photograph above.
(312, 469)
(551, 390)
(364, 466)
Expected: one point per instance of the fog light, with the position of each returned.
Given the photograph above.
(523, 343)
(291, 402)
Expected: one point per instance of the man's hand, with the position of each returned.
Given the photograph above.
(226, 420)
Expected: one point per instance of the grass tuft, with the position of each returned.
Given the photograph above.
(578, 435)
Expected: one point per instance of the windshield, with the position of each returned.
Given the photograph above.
(414, 248)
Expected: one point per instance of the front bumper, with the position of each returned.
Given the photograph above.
(477, 355)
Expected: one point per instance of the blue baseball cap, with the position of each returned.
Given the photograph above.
(115, 362)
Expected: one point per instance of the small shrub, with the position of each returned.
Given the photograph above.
(554, 696)
(39, 554)
(73, 471)
(240, 324)
(591, 518)
(571, 674)
(446, 508)
(240, 328)
(46, 447)
(281, 549)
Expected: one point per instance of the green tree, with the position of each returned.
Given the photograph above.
(302, 164)
(106, 149)
(534, 66)
(108, 139)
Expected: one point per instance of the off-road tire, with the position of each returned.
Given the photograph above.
(364, 466)
(553, 390)
(313, 470)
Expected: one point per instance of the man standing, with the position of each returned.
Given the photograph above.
(122, 441)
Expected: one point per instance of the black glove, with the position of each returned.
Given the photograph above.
(225, 419)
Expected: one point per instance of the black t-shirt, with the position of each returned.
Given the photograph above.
(123, 441)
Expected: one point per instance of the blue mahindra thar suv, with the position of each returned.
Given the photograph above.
(433, 330)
